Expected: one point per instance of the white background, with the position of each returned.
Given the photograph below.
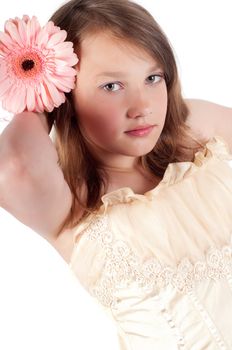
(41, 305)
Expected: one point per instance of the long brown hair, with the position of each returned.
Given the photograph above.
(126, 20)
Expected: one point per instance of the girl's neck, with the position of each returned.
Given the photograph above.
(139, 180)
(119, 170)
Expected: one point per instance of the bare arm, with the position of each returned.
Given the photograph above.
(32, 186)
(210, 119)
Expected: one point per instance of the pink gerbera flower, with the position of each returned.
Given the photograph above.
(35, 66)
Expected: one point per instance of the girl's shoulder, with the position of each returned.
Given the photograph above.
(209, 119)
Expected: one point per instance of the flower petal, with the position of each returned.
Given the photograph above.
(34, 29)
(71, 60)
(6, 40)
(19, 100)
(26, 18)
(15, 101)
(12, 30)
(51, 29)
(42, 38)
(66, 71)
(39, 104)
(30, 98)
(57, 97)
(61, 84)
(46, 98)
(22, 30)
(64, 45)
(57, 38)
(66, 55)
(5, 85)
(43, 87)
(3, 69)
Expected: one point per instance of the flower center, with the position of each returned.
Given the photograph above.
(28, 65)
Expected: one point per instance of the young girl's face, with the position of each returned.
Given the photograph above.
(119, 89)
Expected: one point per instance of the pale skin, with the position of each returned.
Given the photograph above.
(108, 106)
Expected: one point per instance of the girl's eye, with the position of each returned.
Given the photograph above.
(152, 79)
(155, 78)
(112, 87)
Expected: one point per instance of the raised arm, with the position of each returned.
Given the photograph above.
(210, 119)
(32, 185)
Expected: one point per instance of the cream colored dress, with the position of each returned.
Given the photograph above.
(161, 263)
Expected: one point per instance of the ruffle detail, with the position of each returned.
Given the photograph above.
(216, 148)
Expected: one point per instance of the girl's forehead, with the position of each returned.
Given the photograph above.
(104, 39)
(106, 47)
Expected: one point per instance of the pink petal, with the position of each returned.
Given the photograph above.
(22, 30)
(46, 98)
(71, 60)
(6, 40)
(5, 85)
(34, 29)
(62, 85)
(57, 38)
(39, 106)
(30, 98)
(64, 45)
(63, 53)
(67, 55)
(66, 71)
(51, 29)
(26, 18)
(19, 99)
(15, 101)
(57, 97)
(3, 69)
(12, 30)
(59, 63)
(42, 38)
(3, 51)
(28, 34)
(64, 80)
(58, 58)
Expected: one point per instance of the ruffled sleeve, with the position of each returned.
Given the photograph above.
(215, 148)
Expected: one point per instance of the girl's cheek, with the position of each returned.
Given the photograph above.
(109, 113)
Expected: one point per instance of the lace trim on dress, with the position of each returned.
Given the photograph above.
(123, 268)
(175, 172)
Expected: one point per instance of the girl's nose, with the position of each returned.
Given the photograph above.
(136, 113)
(140, 107)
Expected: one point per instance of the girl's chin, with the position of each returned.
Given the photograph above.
(139, 153)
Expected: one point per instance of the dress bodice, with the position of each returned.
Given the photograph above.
(161, 263)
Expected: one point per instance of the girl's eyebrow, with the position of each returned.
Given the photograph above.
(120, 74)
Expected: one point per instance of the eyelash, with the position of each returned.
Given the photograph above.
(116, 83)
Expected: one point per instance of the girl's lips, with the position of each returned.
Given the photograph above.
(141, 131)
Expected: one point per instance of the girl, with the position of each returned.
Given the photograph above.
(134, 193)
